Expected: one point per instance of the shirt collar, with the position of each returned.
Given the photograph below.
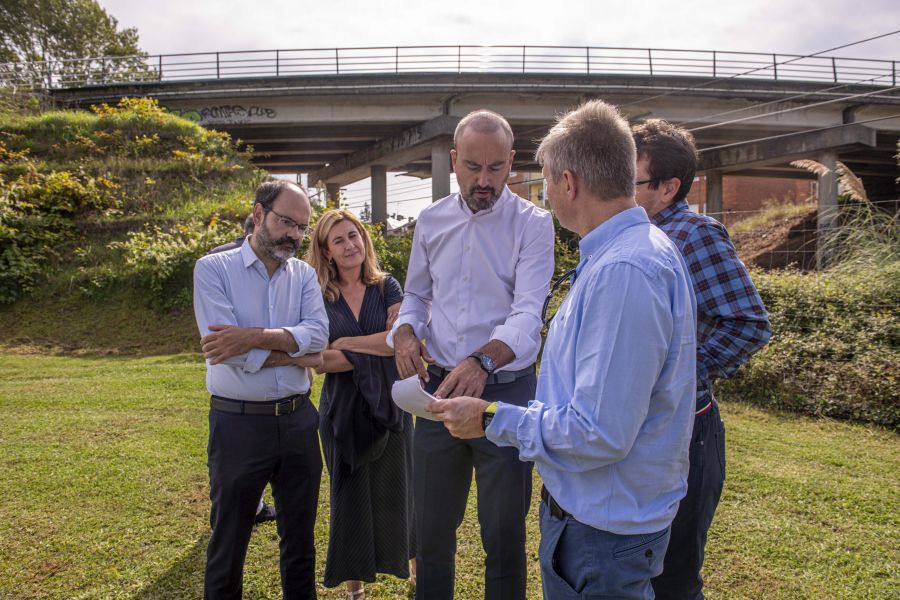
(504, 197)
(598, 238)
(670, 211)
(247, 254)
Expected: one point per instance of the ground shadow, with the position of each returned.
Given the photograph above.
(184, 579)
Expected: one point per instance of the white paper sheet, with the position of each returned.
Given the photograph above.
(409, 395)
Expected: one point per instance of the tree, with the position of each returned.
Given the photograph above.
(45, 33)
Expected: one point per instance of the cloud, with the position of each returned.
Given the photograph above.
(783, 26)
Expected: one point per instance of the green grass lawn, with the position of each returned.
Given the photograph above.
(103, 494)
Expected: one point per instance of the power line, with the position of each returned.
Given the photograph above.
(766, 67)
(792, 109)
(779, 101)
(782, 135)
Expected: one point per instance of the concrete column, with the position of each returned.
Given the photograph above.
(440, 170)
(379, 194)
(828, 207)
(714, 194)
(333, 191)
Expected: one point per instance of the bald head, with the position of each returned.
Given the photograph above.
(485, 122)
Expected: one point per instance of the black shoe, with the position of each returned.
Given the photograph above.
(266, 514)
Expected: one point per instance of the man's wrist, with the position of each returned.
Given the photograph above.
(405, 329)
(485, 361)
(488, 415)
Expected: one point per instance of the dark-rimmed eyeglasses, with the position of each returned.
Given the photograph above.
(642, 182)
(289, 223)
(567, 276)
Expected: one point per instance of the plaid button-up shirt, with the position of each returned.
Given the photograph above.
(732, 323)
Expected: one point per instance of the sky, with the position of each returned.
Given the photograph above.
(786, 26)
(780, 26)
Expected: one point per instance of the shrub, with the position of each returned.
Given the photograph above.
(392, 252)
(36, 212)
(835, 347)
(162, 260)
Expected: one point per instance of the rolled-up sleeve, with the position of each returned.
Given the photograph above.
(415, 310)
(311, 333)
(521, 329)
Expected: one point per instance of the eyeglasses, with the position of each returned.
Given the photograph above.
(642, 182)
(567, 276)
(289, 223)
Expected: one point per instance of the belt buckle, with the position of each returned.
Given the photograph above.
(286, 403)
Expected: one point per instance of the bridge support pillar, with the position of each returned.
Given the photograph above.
(333, 192)
(828, 207)
(714, 194)
(379, 196)
(440, 170)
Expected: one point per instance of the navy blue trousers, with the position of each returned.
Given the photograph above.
(578, 561)
(681, 579)
(442, 474)
(245, 453)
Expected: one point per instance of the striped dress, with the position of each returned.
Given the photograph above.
(371, 528)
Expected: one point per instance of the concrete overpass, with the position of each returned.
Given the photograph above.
(341, 115)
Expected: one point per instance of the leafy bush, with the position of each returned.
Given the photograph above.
(392, 252)
(162, 260)
(36, 212)
(835, 347)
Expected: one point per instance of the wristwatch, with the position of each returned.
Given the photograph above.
(486, 362)
(488, 415)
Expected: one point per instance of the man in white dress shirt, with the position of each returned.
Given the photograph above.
(480, 267)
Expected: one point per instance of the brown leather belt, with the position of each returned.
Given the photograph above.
(273, 408)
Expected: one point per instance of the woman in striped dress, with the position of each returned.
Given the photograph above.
(366, 439)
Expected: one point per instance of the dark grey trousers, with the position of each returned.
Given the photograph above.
(245, 453)
(442, 468)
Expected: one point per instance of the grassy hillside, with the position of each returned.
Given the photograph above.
(102, 215)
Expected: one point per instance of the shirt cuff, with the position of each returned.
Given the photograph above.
(255, 359)
(505, 424)
(407, 320)
(303, 339)
(513, 337)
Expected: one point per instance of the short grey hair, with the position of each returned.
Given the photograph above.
(483, 121)
(269, 190)
(595, 143)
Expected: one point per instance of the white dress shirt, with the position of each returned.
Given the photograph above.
(234, 288)
(478, 277)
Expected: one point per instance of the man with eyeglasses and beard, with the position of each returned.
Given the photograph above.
(480, 266)
(262, 321)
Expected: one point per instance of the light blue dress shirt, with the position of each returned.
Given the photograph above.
(476, 277)
(234, 288)
(610, 427)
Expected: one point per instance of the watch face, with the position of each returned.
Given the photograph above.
(487, 362)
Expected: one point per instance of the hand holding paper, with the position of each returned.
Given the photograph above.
(409, 395)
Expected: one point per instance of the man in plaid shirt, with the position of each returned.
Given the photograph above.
(732, 324)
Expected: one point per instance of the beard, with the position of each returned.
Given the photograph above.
(281, 249)
(475, 203)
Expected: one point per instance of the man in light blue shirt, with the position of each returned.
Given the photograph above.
(611, 422)
(262, 320)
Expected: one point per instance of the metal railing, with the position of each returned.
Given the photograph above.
(446, 59)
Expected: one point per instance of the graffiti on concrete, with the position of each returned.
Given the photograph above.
(227, 113)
